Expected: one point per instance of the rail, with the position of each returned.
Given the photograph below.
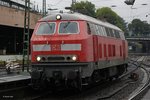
(137, 62)
(146, 81)
(141, 90)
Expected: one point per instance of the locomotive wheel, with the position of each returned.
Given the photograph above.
(96, 77)
(79, 85)
(121, 69)
(35, 84)
(79, 82)
(39, 84)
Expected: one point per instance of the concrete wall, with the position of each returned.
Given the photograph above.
(14, 17)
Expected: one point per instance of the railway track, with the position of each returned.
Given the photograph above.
(139, 92)
(133, 76)
(12, 90)
(103, 91)
(143, 88)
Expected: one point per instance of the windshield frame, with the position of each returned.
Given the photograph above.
(69, 33)
(46, 22)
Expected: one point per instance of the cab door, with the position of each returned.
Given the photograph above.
(123, 49)
(95, 48)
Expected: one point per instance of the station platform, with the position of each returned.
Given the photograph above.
(5, 78)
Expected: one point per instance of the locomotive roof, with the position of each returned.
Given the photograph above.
(78, 16)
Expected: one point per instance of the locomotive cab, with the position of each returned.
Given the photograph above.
(62, 40)
(59, 48)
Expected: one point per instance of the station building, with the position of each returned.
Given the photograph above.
(12, 25)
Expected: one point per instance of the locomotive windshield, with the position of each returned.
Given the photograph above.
(68, 27)
(46, 28)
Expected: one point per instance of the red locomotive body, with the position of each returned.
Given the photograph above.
(74, 49)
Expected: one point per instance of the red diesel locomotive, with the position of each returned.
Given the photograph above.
(72, 49)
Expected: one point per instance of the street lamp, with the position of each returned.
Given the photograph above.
(113, 6)
(129, 2)
(50, 10)
(147, 15)
(144, 4)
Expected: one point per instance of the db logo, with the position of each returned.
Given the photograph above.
(55, 47)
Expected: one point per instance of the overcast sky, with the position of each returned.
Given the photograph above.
(139, 11)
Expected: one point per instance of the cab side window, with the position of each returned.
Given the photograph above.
(88, 28)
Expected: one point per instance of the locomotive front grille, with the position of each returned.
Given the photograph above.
(56, 58)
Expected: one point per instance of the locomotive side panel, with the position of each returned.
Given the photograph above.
(108, 46)
(108, 52)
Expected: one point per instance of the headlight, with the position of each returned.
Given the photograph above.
(38, 58)
(58, 17)
(74, 58)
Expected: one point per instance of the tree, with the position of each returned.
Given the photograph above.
(110, 16)
(106, 14)
(86, 8)
(138, 27)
